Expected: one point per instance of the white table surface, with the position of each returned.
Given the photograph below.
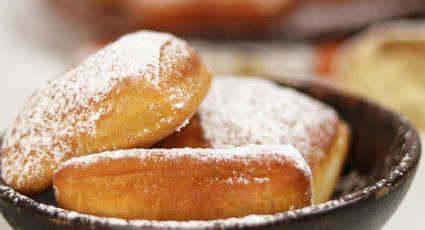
(34, 47)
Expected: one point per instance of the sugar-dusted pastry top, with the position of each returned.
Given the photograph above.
(62, 115)
(242, 110)
(238, 111)
(282, 153)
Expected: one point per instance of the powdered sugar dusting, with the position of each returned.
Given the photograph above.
(240, 111)
(66, 106)
(185, 122)
(282, 153)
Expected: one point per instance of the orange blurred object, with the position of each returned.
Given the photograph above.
(180, 17)
(325, 52)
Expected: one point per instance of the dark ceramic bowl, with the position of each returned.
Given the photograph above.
(381, 165)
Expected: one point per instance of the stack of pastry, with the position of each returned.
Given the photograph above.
(128, 134)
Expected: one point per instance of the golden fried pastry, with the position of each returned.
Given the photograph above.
(386, 64)
(132, 93)
(241, 111)
(185, 184)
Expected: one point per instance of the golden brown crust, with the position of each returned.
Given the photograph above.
(326, 171)
(191, 136)
(131, 101)
(130, 94)
(163, 185)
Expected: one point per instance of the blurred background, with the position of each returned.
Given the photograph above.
(372, 48)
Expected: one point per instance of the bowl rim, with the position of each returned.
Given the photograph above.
(379, 189)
